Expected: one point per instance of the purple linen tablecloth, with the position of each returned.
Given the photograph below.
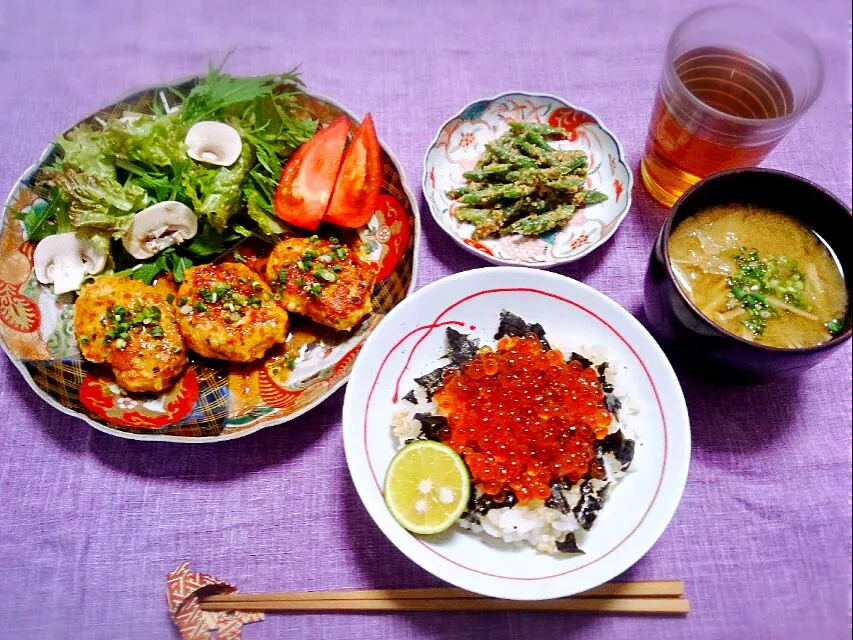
(90, 524)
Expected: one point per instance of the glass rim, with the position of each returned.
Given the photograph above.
(669, 67)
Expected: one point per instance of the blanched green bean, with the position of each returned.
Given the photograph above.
(538, 223)
(455, 194)
(492, 194)
(488, 173)
(594, 197)
(523, 185)
(510, 156)
(569, 184)
(467, 214)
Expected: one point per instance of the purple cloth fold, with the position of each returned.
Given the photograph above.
(90, 525)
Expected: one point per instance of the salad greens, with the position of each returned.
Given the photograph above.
(106, 171)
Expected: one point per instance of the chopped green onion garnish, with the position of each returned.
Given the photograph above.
(326, 275)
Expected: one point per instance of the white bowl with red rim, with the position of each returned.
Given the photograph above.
(411, 341)
(461, 141)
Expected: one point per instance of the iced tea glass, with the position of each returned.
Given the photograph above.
(735, 80)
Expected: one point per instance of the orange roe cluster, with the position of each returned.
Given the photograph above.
(522, 417)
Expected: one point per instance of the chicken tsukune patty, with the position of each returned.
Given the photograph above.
(132, 327)
(226, 311)
(322, 279)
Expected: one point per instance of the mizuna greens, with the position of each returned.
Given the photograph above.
(105, 172)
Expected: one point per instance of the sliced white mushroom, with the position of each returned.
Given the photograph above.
(214, 143)
(158, 227)
(65, 259)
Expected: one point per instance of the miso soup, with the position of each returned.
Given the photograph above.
(760, 274)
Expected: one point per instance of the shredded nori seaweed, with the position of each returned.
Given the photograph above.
(479, 505)
(410, 397)
(557, 500)
(614, 404)
(433, 380)
(430, 426)
(602, 377)
(586, 363)
(569, 545)
(460, 348)
(589, 505)
(512, 325)
(621, 447)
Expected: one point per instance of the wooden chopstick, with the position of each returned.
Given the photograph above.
(659, 606)
(648, 588)
(652, 597)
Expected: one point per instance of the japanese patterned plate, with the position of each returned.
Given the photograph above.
(212, 400)
(461, 141)
(412, 342)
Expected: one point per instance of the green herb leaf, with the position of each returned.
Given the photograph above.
(208, 241)
(835, 326)
(147, 271)
(178, 265)
(218, 92)
(45, 218)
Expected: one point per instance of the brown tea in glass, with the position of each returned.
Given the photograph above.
(734, 83)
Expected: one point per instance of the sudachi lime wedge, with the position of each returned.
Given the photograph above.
(427, 487)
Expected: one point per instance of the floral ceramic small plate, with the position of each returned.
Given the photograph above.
(213, 400)
(460, 143)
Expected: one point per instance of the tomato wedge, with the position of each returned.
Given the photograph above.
(308, 178)
(359, 179)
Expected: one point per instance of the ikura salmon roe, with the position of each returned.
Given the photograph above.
(522, 417)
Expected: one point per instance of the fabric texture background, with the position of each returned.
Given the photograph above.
(90, 524)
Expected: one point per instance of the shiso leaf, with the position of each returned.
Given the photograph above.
(433, 380)
(430, 425)
(512, 325)
(569, 544)
(589, 505)
(621, 447)
(460, 348)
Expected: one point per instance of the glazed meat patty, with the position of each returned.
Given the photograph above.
(226, 311)
(322, 279)
(132, 327)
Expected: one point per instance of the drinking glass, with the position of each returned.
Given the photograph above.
(735, 80)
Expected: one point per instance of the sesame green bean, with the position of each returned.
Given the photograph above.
(523, 185)
(538, 223)
(509, 156)
(487, 173)
(468, 214)
(594, 197)
(569, 184)
(492, 194)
